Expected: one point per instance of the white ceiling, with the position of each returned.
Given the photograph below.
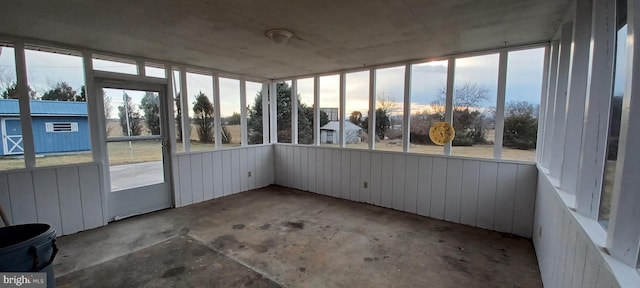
(330, 35)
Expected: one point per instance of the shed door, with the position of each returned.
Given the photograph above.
(12, 136)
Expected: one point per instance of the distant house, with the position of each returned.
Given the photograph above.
(58, 127)
(330, 133)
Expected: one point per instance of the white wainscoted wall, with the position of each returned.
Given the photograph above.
(202, 176)
(69, 198)
(494, 195)
(566, 255)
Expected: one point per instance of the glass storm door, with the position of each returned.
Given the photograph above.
(136, 147)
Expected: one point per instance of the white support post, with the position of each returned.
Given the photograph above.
(576, 94)
(560, 106)
(624, 232)
(25, 110)
(406, 115)
(170, 95)
(598, 103)
(543, 104)
(94, 108)
(316, 110)
(265, 113)
(371, 117)
(273, 113)
(448, 114)
(341, 112)
(547, 146)
(216, 106)
(499, 121)
(243, 113)
(184, 108)
(294, 111)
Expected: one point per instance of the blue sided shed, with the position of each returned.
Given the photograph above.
(58, 127)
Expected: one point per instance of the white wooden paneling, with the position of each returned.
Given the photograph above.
(22, 196)
(175, 175)
(197, 189)
(398, 182)
(290, 167)
(47, 202)
(469, 194)
(235, 171)
(411, 184)
(566, 255)
(91, 194)
(218, 186)
(487, 186)
(524, 195)
(327, 174)
(345, 174)
(365, 176)
(207, 176)
(5, 201)
(297, 168)
(319, 179)
(312, 164)
(226, 173)
(453, 190)
(375, 185)
(244, 170)
(70, 199)
(251, 167)
(438, 187)
(354, 175)
(335, 173)
(184, 168)
(425, 165)
(304, 169)
(386, 181)
(505, 196)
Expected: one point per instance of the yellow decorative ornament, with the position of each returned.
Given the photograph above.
(441, 133)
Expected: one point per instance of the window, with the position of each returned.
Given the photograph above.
(356, 109)
(230, 112)
(428, 87)
(619, 83)
(305, 111)
(522, 103)
(283, 111)
(329, 109)
(61, 127)
(10, 124)
(254, 113)
(111, 64)
(474, 104)
(201, 111)
(154, 70)
(389, 108)
(57, 93)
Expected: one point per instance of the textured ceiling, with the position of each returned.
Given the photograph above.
(329, 35)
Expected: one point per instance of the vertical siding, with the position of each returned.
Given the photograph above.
(566, 255)
(487, 194)
(68, 198)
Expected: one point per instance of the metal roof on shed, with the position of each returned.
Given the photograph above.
(44, 108)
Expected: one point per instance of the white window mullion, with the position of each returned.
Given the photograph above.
(265, 113)
(499, 121)
(273, 112)
(547, 145)
(406, 118)
(243, 113)
(576, 94)
(557, 147)
(543, 104)
(184, 111)
(623, 238)
(170, 96)
(448, 114)
(216, 106)
(598, 103)
(294, 111)
(316, 111)
(341, 112)
(25, 111)
(371, 135)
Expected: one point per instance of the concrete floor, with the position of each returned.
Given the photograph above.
(277, 236)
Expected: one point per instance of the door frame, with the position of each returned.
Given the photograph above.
(124, 197)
